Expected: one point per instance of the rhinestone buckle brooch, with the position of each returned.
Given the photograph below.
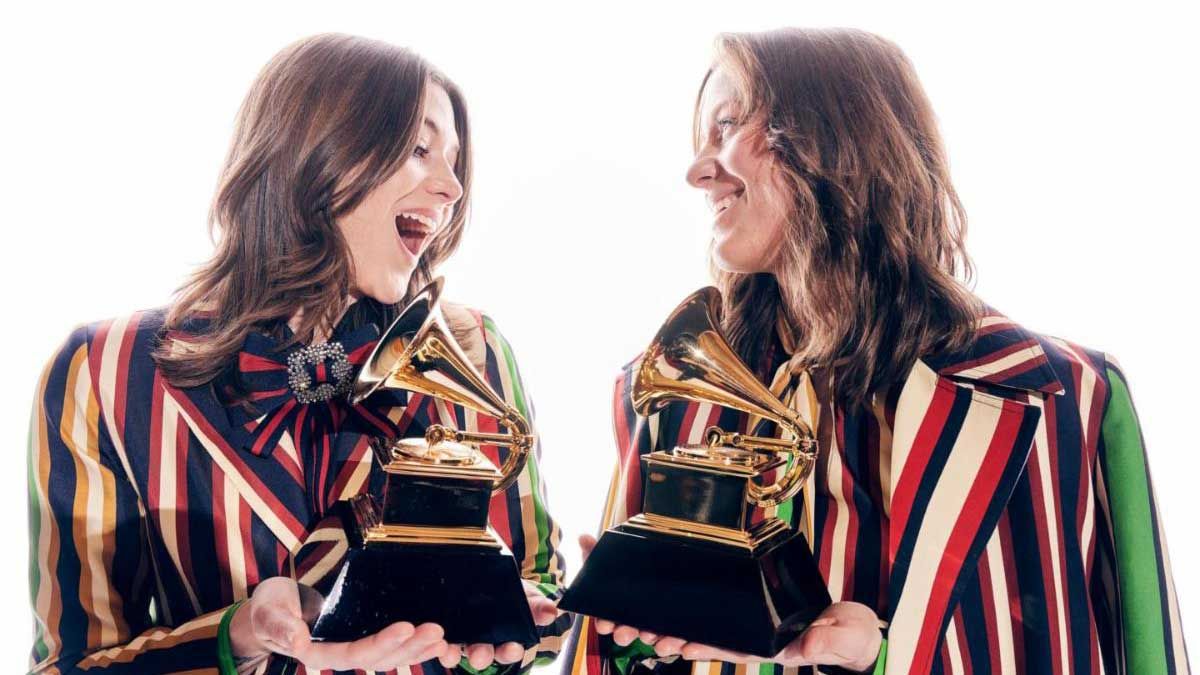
(300, 379)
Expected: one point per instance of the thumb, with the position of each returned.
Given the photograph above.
(586, 543)
(280, 628)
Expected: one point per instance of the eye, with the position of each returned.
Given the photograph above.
(421, 151)
(725, 124)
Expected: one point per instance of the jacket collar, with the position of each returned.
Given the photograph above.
(1002, 353)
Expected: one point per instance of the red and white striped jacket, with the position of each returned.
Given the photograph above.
(1021, 533)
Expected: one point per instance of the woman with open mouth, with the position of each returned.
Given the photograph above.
(185, 461)
(980, 501)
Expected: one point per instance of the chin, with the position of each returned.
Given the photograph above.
(736, 262)
(387, 293)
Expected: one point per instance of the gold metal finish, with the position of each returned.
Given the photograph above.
(412, 534)
(414, 457)
(689, 360)
(417, 353)
(444, 453)
(704, 458)
(373, 529)
(729, 536)
(722, 456)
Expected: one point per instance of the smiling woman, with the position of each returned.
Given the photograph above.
(980, 500)
(420, 198)
(183, 466)
(337, 139)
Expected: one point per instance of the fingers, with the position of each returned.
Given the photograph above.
(850, 611)
(694, 651)
(450, 656)
(280, 628)
(543, 609)
(821, 644)
(850, 640)
(275, 617)
(278, 592)
(425, 642)
(669, 646)
(399, 644)
(509, 652)
(480, 656)
(586, 543)
(311, 601)
(624, 635)
(433, 651)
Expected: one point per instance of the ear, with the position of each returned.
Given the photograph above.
(466, 326)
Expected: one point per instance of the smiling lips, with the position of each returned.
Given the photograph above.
(414, 229)
(720, 205)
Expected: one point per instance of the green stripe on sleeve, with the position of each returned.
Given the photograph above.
(624, 657)
(1123, 464)
(510, 364)
(881, 660)
(35, 534)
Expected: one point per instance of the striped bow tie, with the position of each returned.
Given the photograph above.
(303, 391)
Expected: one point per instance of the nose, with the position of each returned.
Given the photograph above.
(703, 169)
(445, 184)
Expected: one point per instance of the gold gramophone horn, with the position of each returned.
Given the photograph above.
(690, 360)
(417, 353)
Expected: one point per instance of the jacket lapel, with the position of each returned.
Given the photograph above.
(957, 453)
(265, 483)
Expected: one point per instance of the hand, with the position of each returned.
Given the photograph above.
(482, 655)
(625, 635)
(846, 634)
(272, 622)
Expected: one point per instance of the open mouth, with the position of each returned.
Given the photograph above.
(727, 201)
(414, 231)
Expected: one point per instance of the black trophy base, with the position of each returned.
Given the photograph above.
(473, 592)
(675, 586)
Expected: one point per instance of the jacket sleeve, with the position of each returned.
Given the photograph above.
(590, 653)
(89, 572)
(1133, 592)
(532, 534)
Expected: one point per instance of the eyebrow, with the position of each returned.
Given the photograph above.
(724, 109)
(715, 113)
(437, 131)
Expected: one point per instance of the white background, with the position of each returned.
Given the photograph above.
(1070, 131)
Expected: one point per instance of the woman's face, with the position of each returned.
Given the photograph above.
(741, 181)
(390, 229)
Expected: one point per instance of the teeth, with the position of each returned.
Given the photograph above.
(424, 220)
(725, 202)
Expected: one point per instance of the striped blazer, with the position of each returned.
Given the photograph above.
(1022, 530)
(146, 524)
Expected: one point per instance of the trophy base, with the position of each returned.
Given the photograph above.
(473, 591)
(675, 585)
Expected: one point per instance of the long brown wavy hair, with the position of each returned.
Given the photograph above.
(328, 119)
(871, 274)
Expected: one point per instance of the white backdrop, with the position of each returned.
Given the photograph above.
(1071, 133)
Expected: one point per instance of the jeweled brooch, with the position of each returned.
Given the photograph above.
(303, 362)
